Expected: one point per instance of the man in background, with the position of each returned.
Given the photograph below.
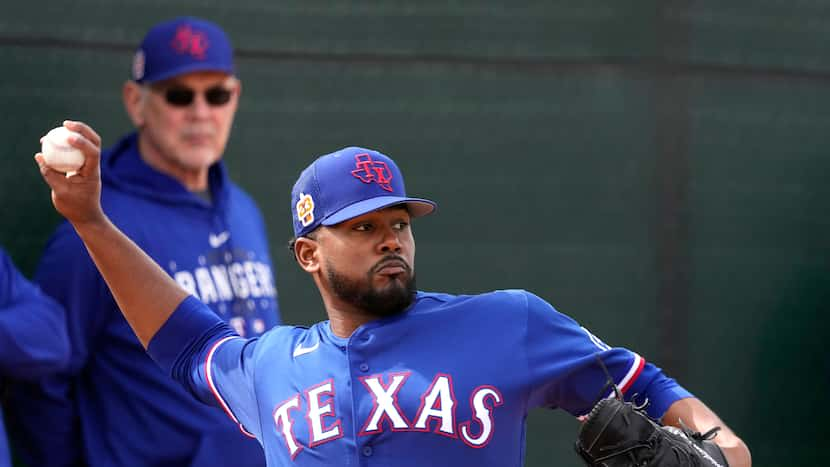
(33, 339)
(165, 186)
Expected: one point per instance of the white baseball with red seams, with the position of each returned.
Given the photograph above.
(58, 154)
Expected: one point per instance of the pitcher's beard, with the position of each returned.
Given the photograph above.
(380, 303)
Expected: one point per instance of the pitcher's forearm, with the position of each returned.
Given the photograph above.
(144, 292)
(697, 416)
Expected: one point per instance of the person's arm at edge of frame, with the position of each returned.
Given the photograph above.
(146, 295)
(697, 416)
(33, 338)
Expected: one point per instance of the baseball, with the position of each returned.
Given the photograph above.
(58, 154)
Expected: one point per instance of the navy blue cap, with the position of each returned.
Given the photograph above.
(182, 45)
(346, 184)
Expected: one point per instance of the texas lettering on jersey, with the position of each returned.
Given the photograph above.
(436, 412)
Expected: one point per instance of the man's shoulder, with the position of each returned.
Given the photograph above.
(278, 345)
(122, 205)
(507, 299)
(239, 196)
(282, 337)
(133, 211)
(500, 294)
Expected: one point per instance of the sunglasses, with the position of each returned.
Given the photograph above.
(180, 96)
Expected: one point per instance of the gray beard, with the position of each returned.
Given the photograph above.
(379, 303)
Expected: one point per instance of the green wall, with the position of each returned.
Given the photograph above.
(657, 170)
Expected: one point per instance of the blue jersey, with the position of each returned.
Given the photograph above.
(449, 381)
(33, 340)
(114, 406)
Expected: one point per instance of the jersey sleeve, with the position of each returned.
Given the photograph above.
(569, 367)
(45, 412)
(210, 360)
(33, 339)
(226, 379)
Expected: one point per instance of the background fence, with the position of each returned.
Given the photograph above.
(656, 169)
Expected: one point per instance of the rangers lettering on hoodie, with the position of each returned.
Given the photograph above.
(234, 283)
(225, 282)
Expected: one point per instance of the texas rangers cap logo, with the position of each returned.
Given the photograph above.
(305, 209)
(190, 42)
(369, 170)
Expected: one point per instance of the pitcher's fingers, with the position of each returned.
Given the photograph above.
(41, 163)
(84, 129)
(91, 151)
(56, 180)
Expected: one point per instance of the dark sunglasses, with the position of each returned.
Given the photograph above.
(180, 96)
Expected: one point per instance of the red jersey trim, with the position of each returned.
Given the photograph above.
(212, 385)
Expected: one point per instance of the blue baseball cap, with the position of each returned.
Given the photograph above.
(182, 45)
(349, 183)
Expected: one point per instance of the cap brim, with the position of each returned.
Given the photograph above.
(417, 207)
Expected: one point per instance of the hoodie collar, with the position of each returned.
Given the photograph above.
(123, 167)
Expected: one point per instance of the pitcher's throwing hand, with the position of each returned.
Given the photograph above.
(78, 198)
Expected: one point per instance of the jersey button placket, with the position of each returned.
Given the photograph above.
(359, 341)
(359, 353)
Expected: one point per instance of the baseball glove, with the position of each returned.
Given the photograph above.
(619, 434)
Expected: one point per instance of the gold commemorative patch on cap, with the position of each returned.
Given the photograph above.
(138, 65)
(305, 209)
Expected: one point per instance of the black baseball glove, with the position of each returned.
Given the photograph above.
(620, 434)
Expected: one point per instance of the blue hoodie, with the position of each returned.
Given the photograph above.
(33, 339)
(115, 406)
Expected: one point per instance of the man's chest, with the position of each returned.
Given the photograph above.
(231, 273)
(335, 400)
